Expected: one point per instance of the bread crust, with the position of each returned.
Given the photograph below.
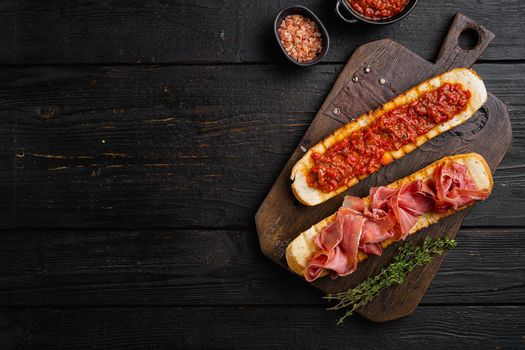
(302, 248)
(466, 77)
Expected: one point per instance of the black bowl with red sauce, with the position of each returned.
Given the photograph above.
(374, 11)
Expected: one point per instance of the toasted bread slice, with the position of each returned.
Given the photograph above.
(466, 77)
(302, 248)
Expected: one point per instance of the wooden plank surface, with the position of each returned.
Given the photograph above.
(463, 327)
(181, 268)
(231, 31)
(54, 121)
(76, 73)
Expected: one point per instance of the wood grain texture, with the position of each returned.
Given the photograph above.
(233, 31)
(185, 268)
(57, 176)
(181, 130)
(281, 218)
(464, 327)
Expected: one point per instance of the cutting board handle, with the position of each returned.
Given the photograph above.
(452, 55)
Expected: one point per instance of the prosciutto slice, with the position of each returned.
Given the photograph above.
(454, 188)
(338, 244)
(407, 203)
(330, 236)
(390, 213)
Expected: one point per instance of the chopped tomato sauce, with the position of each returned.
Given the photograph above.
(378, 9)
(361, 153)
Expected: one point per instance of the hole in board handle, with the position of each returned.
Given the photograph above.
(469, 39)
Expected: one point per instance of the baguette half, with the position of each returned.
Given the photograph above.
(466, 77)
(302, 248)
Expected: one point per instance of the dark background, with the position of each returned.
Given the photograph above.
(138, 138)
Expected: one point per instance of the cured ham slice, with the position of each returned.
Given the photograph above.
(352, 230)
(355, 203)
(339, 246)
(454, 188)
(390, 213)
(319, 262)
(330, 237)
(379, 197)
(407, 203)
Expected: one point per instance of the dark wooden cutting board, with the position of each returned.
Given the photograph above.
(392, 70)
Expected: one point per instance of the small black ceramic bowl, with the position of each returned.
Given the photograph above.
(303, 11)
(357, 17)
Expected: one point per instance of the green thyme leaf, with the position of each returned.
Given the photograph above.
(407, 258)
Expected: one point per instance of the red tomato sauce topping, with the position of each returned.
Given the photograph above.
(378, 9)
(362, 152)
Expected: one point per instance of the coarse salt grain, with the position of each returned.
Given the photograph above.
(300, 38)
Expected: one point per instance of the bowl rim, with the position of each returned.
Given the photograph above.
(324, 33)
(389, 20)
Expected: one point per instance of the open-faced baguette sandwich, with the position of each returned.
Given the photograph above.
(364, 226)
(377, 138)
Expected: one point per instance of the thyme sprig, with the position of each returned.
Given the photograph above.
(407, 258)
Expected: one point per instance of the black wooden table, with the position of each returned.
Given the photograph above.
(138, 139)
